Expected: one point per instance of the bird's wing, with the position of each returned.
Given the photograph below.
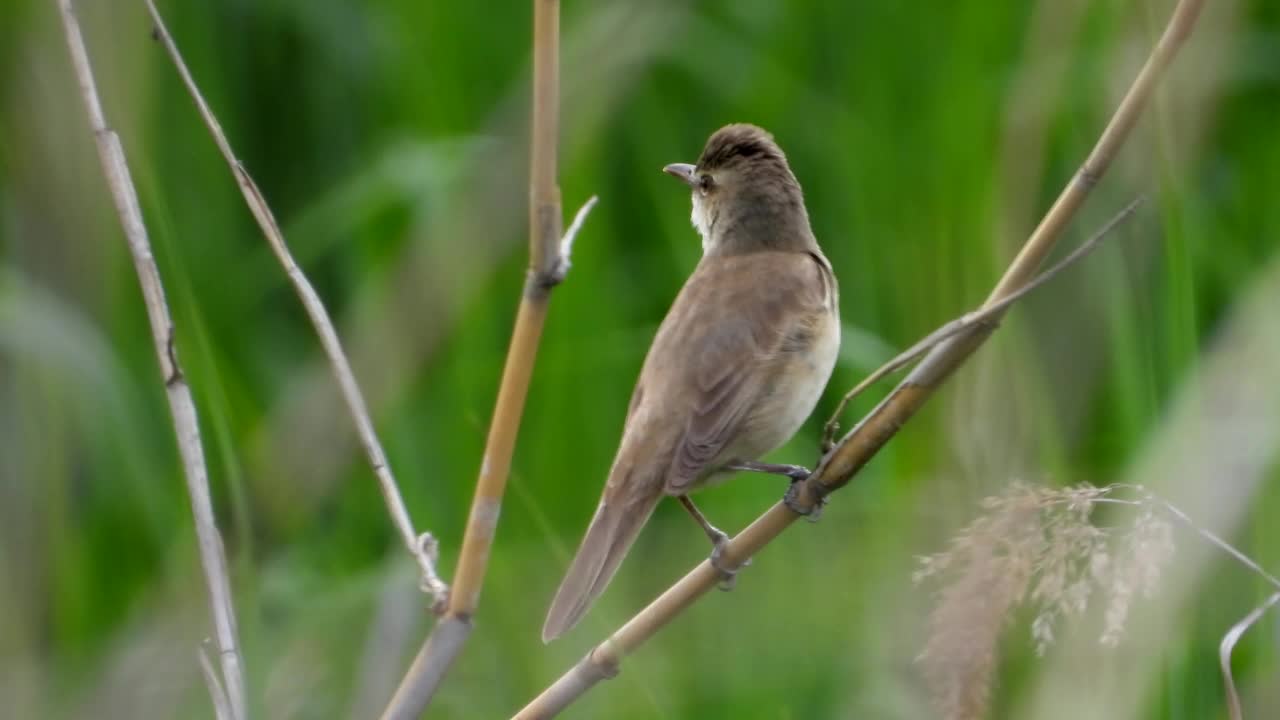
(733, 342)
(712, 360)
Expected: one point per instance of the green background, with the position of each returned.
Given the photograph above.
(390, 138)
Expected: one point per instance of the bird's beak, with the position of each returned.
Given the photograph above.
(682, 172)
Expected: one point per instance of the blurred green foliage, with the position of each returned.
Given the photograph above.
(390, 137)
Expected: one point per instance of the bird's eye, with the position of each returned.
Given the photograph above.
(704, 183)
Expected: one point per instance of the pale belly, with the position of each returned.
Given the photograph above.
(780, 414)
(783, 412)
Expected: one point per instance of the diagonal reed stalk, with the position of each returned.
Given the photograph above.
(856, 448)
(228, 692)
(422, 547)
(988, 314)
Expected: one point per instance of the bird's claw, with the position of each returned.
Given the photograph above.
(728, 577)
(797, 473)
(792, 501)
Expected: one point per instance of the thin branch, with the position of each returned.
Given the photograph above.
(446, 640)
(1223, 545)
(419, 546)
(857, 447)
(1228, 646)
(1145, 497)
(968, 321)
(181, 405)
(548, 262)
(566, 243)
(221, 705)
(1229, 640)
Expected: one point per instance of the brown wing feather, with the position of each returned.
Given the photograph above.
(617, 523)
(733, 349)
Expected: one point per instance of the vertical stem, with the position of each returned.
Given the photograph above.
(544, 194)
(495, 466)
(546, 269)
(181, 405)
(544, 239)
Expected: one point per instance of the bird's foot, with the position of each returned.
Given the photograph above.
(728, 576)
(719, 540)
(792, 500)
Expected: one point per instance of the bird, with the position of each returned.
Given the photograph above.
(736, 367)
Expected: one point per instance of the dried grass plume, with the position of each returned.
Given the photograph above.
(1040, 548)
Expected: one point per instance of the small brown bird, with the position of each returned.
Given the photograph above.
(737, 365)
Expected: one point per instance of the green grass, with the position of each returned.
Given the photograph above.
(390, 140)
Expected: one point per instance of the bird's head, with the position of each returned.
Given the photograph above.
(744, 194)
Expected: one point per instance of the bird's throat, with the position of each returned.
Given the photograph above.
(704, 221)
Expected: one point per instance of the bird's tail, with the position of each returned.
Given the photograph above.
(610, 535)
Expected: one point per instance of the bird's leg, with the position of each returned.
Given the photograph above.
(795, 472)
(718, 540)
(717, 536)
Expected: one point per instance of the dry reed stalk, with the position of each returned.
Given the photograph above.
(548, 263)
(181, 405)
(422, 547)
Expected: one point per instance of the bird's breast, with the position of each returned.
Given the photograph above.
(802, 376)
